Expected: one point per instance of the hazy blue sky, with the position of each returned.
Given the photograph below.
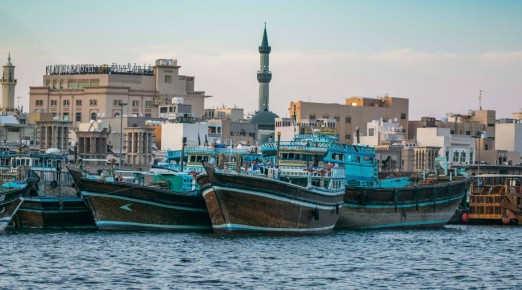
(439, 54)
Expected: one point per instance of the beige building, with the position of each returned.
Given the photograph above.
(355, 113)
(54, 134)
(233, 114)
(80, 93)
(138, 148)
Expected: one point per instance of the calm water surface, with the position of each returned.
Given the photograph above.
(456, 257)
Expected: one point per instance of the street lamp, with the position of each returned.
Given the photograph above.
(121, 104)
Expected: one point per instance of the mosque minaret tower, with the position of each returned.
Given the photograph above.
(264, 118)
(264, 76)
(8, 84)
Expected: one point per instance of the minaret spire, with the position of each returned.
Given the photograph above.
(264, 76)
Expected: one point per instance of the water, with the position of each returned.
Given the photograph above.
(455, 257)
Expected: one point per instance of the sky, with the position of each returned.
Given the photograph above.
(438, 54)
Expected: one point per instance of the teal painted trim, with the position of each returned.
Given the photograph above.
(392, 205)
(45, 199)
(276, 197)
(238, 227)
(54, 211)
(102, 224)
(408, 224)
(88, 193)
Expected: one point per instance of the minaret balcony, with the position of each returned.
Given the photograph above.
(264, 77)
(265, 49)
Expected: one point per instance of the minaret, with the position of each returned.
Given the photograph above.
(264, 76)
(8, 84)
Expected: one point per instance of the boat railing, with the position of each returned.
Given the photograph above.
(486, 199)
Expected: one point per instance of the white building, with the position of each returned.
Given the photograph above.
(289, 129)
(379, 132)
(458, 149)
(197, 134)
(508, 137)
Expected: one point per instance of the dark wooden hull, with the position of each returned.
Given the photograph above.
(246, 203)
(127, 206)
(11, 200)
(8, 210)
(47, 212)
(430, 205)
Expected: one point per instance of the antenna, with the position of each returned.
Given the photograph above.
(480, 100)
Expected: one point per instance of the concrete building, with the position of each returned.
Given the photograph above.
(289, 129)
(458, 149)
(80, 93)
(92, 144)
(379, 132)
(355, 113)
(459, 124)
(12, 132)
(138, 148)
(509, 137)
(233, 114)
(196, 134)
(54, 134)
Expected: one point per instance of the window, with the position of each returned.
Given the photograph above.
(53, 103)
(148, 104)
(61, 84)
(78, 103)
(78, 117)
(403, 116)
(93, 116)
(116, 102)
(66, 116)
(168, 78)
(337, 119)
(348, 120)
(93, 103)
(66, 103)
(347, 137)
(371, 132)
(135, 103)
(468, 133)
(312, 117)
(39, 103)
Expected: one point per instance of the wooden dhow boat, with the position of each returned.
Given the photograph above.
(53, 204)
(242, 203)
(370, 203)
(496, 199)
(131, 205)
(11, 198)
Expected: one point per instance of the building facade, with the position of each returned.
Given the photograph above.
(355, 113)
(80, 93)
